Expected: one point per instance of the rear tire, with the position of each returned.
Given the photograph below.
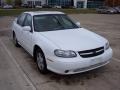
(15, 41)
(40, 60)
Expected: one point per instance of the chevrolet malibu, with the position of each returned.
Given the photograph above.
(58, 44)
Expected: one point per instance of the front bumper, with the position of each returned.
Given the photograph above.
(77, 65)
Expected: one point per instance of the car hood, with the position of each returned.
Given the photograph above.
(75, 39)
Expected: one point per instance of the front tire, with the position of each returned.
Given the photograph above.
(41, 62)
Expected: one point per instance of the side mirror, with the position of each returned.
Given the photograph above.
(27, 28)
(78, 23)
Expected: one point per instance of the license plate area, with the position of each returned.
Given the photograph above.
(96, 60)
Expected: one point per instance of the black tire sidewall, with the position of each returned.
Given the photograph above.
(44, 70)
(15, 40)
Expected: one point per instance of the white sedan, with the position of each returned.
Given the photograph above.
(58, 44)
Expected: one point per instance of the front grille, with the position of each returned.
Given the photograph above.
(92, 52)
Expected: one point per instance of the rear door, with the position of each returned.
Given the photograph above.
(18, 27)
(28, 35)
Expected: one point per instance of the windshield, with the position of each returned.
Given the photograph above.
(52, 22)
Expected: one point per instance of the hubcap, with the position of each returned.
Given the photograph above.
(40, 61)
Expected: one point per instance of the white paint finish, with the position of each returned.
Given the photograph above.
(75, 39)
(70, 39)
(44, 12)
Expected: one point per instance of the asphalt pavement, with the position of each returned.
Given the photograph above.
(18, 71)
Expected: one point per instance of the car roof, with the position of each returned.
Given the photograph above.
(43, 12)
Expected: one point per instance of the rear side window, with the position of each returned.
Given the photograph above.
(28, 21)
(21, 19)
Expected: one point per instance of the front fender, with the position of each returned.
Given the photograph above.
(45, 44)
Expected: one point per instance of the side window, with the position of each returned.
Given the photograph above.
(28, 21)
(21, 18)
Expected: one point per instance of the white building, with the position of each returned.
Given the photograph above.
(80, 3)
(75, 3)
(34, 2)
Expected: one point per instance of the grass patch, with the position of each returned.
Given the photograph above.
(14, 12)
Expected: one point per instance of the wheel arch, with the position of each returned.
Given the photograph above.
(34, 50)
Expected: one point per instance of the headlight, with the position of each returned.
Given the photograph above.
(107, 46)
(65, 54)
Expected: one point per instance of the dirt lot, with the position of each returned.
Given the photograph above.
(18, 71)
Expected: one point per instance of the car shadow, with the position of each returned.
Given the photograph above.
(80, 78)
